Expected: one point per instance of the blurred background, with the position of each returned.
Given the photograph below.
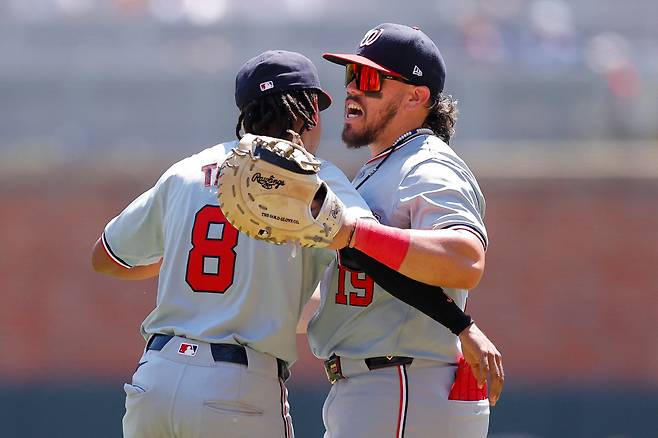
(559, 120)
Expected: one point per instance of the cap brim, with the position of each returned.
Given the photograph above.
(324, 100)
(350, 58)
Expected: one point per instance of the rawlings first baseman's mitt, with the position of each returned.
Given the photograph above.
(266, 190)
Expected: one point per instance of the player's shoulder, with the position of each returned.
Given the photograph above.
(433, 160)
(328, 167)
(211, 155)
(329, 171)
(434, 149)
(431, 151)
(191, 167)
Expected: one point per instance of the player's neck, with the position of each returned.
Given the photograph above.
(390, 137)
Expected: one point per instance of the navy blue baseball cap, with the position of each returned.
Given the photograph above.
(399, 50)
(277, 71)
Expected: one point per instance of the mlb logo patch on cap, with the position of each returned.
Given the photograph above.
(277, 71)
(264, 86)
(187, 349)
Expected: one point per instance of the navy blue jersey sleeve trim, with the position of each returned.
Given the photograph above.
(472, 229)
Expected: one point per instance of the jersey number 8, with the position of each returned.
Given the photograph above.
(211, 261)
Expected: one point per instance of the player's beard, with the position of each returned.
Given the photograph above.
(370, 132)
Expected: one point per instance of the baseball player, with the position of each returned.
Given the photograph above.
(222, 334)
(396, 372)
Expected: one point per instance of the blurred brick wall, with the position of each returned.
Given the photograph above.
(570, 291)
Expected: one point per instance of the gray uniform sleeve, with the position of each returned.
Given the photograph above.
(315, 262)
(437, 194)
(135, 236)
(344, 189)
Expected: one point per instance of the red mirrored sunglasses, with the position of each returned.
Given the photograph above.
(367, 78)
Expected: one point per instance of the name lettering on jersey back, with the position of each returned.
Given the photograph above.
(210, 175)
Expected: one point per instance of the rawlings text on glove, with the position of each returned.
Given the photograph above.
(266, 188)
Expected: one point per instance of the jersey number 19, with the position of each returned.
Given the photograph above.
(359, 290)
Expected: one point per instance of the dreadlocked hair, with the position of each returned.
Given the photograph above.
(442, 117)
(276, 114)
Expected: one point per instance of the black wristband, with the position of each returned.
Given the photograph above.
(431, 300)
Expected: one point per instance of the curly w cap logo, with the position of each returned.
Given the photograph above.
(370, 37)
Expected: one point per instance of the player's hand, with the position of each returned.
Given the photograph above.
(342, 238)
(485, 360)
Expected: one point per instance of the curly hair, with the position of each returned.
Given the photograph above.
(274, 115)
(442, 117)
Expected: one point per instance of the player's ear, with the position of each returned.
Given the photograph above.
(418, 96)
(316, 111)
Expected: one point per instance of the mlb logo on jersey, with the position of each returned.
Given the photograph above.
(187, 349)
(264, 86)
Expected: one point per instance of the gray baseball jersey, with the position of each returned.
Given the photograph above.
(217, 285)
(421, 184)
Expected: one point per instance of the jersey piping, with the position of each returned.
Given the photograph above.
(284, 412)
(471, 229)
(404, 399)
(114, 257)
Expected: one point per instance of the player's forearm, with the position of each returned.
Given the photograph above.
(307, 313)
(446, 258)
